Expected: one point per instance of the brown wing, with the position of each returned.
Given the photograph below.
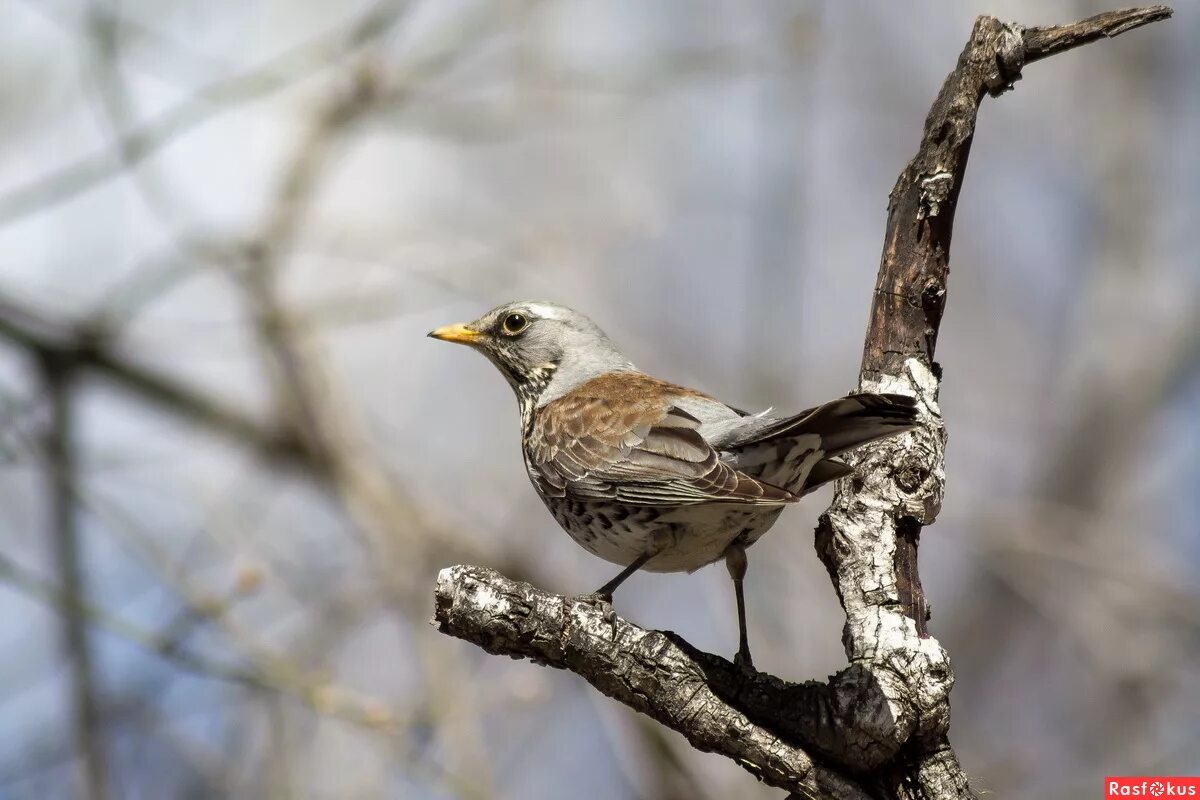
(620, 437)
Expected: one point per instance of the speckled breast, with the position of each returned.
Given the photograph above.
(699, 533)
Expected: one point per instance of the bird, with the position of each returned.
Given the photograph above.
(650, 475)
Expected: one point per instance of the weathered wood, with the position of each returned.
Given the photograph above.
(879, 728)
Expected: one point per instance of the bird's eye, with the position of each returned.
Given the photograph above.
(514, 324)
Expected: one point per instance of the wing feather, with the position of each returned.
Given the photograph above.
(621, 437)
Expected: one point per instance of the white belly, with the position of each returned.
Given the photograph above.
(695, 535)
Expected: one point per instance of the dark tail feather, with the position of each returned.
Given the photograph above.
(823, 472)
(847, 422)
(857, 419)
(851, 422)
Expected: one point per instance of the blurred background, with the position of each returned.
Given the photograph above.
(231, 465)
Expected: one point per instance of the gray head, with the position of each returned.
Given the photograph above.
(543, 349)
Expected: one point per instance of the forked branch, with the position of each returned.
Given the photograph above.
(879, 727)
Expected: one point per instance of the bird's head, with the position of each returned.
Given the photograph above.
(544, 350)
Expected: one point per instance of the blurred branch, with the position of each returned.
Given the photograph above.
(1120, 401)
(258, 278)
(147, 138)
(44, 338)
(394, 525)
(885, 718)
(87, 725)
(317, 436)
(267, 673)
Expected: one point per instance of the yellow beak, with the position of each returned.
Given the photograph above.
(458, 333)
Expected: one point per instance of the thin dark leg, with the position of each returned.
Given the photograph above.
(735, 562)
(607, 589)
(743, 654)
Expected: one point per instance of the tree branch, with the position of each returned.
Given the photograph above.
(868, 538)
(145, 139)
(654, 672)
(87, 723)
(885, 718)
(47, 339)
(1044, 42)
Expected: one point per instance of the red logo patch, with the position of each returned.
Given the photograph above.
(1151, 786)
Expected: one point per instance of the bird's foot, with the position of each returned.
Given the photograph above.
(604, 600)
(743, 661)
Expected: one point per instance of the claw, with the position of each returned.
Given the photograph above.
(743, 661)
(604, 600)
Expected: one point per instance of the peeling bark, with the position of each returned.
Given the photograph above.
(879, 728)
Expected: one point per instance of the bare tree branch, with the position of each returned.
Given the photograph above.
(869, 536)
(266, 672)
(87, 723)
(146, 139)
(45, 338)
(885, 718)
(654, 672)
(1048, 41)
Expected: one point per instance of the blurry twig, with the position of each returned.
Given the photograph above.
(87, 725)
(394, 525)
(270, 674)
(656, 748)
(179, 49)
(44, 337)
(147, 138)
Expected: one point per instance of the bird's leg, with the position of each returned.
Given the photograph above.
(607, 589)
(735, 562)
(656, 543)
(604, 594)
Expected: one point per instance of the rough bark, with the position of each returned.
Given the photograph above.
(879, 727)
(702, 696)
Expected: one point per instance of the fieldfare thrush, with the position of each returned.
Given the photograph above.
(650, 475)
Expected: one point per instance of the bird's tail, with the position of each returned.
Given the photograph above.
(841, 424)
(854, 420)
(812, 439)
